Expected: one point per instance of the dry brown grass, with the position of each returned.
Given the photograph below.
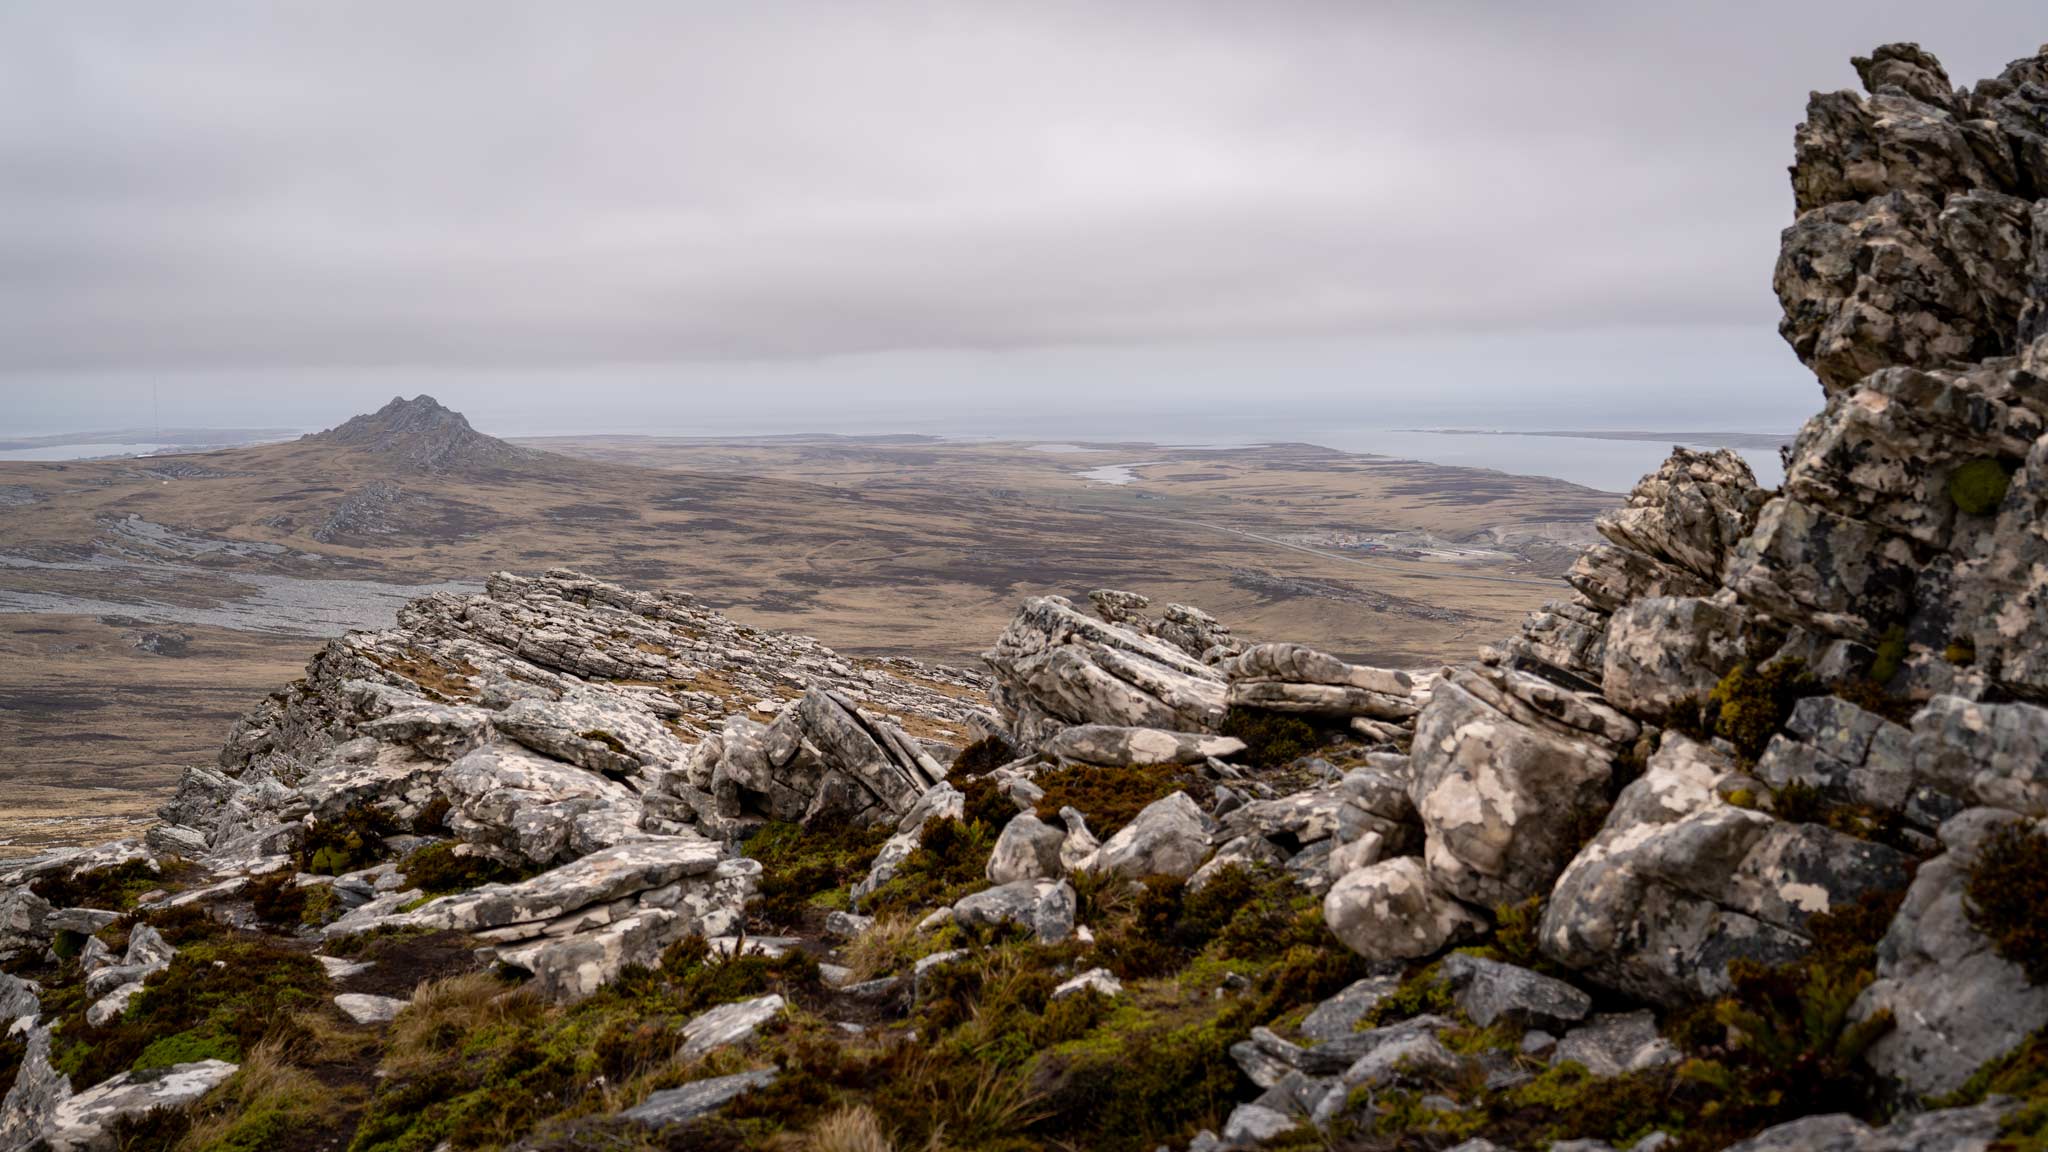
(854, 1129)
(891, 943)
(266, 1082)
(443, 1011)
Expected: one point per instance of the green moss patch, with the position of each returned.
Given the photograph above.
(802, 870)
(218, 997)
(346, 843)
(437, 869)
(1978, 487)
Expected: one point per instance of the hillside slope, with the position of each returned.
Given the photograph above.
(1740, 845)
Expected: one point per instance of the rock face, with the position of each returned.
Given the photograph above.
(1955, 1004)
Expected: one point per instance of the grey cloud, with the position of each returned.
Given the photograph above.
(489, 183)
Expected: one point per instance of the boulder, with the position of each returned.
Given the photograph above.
(1678, 883)
(1688, 514)
(1503, 803)
(1617, 1043)
(1995, 755)
(697, 1099)
(1946, 1130)
(1100, 981)
(597, 879)
(1851, 756)
(1339, 1015)
(83, 1122)
(728, 1024)
(1027, 849)
(1301, 664)
(1489, 991)
(517, 806)
(367, 1009)
(1664, 652)
(29, 1110)
(1168, 837)
(1046, 907)
(1395, 911)
(601, 730)
(823, 762)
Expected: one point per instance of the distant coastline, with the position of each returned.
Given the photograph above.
(1705, 439)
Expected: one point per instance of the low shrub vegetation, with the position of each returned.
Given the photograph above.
(2006, 896)
(1271, 739)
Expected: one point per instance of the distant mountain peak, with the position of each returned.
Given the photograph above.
(423, 435)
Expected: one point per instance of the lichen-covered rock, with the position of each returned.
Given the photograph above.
(1500, 801)
(1168, 837)
(1944, 1130)
(1115, 747)
(1851, 756)
(1678, 883)
(1045, 907)
(1489, 991)
(823, 762)
(1616, 1043)
(1055, 667)
(1955, 1004)
(1805, 563)
(1690, 512)
(84, 1122)
(1870, 284)
(1395, 910)
(1027, 849)
(728, 1024)
(1995, 755)
(29, 1110)
(1299, 679)
(520, 807)
(602, 731)
(1663, 652)
(697, 1099)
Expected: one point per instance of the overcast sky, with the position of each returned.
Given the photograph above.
(580, 214)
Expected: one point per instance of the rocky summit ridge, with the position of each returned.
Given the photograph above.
(1744, 843)
(420, 435)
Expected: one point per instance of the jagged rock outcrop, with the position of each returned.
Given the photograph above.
(419, 435)
(822, 761)
(1189, 629)
(1055, 667)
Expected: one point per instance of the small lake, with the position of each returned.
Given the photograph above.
(1114, 473)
